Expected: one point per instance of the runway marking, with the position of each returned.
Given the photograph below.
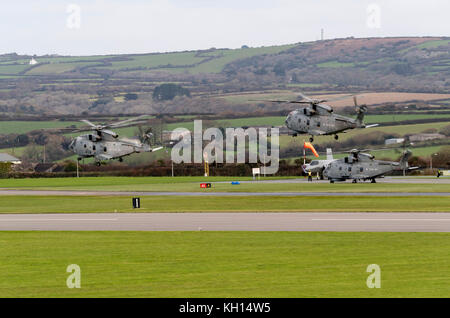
(32, 220)
(380, 219)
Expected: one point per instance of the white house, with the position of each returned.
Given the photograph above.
(4, 158)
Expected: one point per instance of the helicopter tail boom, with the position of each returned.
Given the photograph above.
(404, 159)
(360, 117)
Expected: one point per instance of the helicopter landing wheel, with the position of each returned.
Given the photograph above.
(336, 137)
(98, 163)
(373, 181)
(120, 159)
(311, 139)
(354, 181)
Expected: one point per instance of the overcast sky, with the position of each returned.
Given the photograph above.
(83, 27)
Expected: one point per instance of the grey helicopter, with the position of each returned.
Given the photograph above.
(318, 166)
(363, 166)
(317, 118)
(104, 144)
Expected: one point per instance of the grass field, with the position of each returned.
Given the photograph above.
(57, 68)
(192, 184)
(224, 264)
(21, 127)
(9, 69)
(18, 127)
(335, 64)
(223, 57)
(91, 204)
(398, 129)
(179, 62)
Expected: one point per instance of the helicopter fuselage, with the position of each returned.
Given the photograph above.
(361, 167)
(318, 122)
(105, 147)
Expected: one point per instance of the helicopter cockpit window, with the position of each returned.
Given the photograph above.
(361, 169)
(318, 124)
(90, 137)
(104, 149)
(349, 169)
(84, 145)
(314, 163)
(93, 147)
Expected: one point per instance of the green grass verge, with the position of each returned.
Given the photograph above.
(224, 264)
(91, 204)
(192, 184)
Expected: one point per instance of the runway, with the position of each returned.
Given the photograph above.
(395, 180)
(224, 194)
(323, 221)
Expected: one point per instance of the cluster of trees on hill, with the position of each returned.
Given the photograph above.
(389, 64)
(169, 91)
(367, 64)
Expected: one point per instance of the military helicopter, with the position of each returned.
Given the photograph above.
(317, 118)
(104, 144)
(318, 166)
(362, 166)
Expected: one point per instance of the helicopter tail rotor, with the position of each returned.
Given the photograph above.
(360, 110)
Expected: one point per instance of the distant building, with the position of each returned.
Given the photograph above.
(6, 158)
(33, 61)
(393, 141)
(425, 137)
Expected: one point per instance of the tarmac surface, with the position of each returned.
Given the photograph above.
(322, 221)
(399, 180)
(141, 193)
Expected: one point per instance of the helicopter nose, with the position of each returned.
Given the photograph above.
(73, 143)
(288, 120)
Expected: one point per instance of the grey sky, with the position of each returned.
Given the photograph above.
(138, 26)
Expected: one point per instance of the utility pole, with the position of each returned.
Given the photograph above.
(431, 160)
(264, 165)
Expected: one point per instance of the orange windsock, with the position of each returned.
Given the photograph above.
(310, 147)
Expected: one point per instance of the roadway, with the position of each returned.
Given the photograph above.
(207, 193)
(323, 221)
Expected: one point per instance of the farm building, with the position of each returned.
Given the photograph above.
(6, 158)
(6, 163)
(425, 137)
(393, 141)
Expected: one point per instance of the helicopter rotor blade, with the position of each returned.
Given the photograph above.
(336, 98)
(280, 101)
(126, 124)
(89, 123)
(127, 121)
